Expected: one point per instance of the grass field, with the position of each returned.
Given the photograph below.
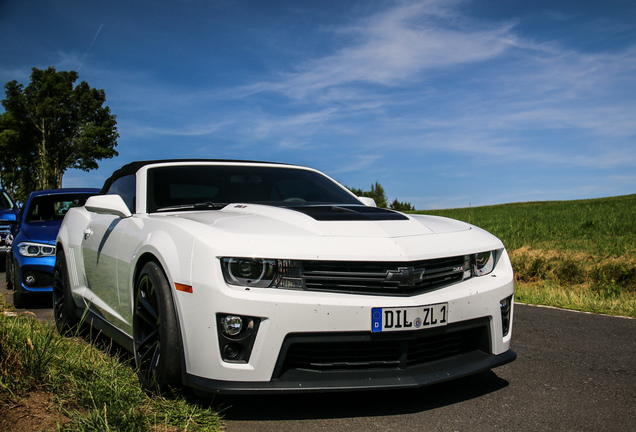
(572, 254)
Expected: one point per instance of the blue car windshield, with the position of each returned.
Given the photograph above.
(48, 208)
(5, 201)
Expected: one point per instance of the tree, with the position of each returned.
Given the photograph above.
(51, 126)
(376, 192)
(401, 206)
(379, 196)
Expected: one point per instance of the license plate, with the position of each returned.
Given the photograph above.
(409, 318)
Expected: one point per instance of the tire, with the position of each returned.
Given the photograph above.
(66, 319)
(20, 300)
(9, 271)
(156, 338)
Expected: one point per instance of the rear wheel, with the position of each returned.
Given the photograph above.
(155, 332)
(9, 270)
(66, 319)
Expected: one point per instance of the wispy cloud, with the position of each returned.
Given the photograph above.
(392, 48)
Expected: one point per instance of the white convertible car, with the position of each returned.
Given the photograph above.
(236, 277)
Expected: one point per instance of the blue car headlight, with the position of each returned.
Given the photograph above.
(32, 250)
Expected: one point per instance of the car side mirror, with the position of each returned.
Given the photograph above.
(108, 204)
(368, 201)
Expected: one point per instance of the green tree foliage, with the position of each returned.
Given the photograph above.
(379, 196)
(401, 206)
(51, 126)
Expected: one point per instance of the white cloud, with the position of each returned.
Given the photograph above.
(393, 48)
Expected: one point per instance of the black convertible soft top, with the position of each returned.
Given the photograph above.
(133, 167)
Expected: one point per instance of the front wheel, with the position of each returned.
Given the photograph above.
(155, 332)
(66, 319)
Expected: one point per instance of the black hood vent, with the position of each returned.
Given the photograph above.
(349, 213)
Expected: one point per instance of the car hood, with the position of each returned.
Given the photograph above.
(336, 234)
(7, 214)
(332, 221)
(40, 232)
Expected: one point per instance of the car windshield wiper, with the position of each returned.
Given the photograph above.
(194, 206)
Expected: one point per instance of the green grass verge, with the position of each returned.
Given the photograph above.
(94, 390)
(571, 254)
(578, 298)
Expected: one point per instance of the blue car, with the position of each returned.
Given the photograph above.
(31, 255)
(9, 211)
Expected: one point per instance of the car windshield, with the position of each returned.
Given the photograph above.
(47, 208)
(5, 201)
(213, 186)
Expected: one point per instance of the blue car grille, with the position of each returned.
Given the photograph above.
(4, 229)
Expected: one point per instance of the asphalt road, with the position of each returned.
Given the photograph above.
(574, 372)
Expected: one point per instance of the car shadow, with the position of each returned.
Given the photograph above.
(355, 404)
(39, 301)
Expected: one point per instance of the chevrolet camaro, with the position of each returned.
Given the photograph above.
(238, 277)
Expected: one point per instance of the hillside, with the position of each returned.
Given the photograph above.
(578, 254)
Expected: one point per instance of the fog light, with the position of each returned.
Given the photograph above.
(236, 334)
(505, 306)
(232, 325)
(29, 280)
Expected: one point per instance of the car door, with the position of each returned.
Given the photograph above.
(102, 247)
(100, 250)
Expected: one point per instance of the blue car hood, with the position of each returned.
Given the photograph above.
(7, 214)
(41, 232)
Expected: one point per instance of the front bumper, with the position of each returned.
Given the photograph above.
(35, 274)
(296, 328)
(443, 363)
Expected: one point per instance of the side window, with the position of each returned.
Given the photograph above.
(125, 188)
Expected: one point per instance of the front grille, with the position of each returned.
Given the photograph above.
(386, 278)
(351, 352)
(4, 230)
(37, 279)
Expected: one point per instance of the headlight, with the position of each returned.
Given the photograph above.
(36, 249)
(261, 273)
(484, 262)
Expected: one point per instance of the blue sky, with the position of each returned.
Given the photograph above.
(446, 103)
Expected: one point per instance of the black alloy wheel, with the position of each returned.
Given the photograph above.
(66, 319)
(156, 339)
(9, 270)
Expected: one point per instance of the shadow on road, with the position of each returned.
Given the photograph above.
(39, 301)
(357, 404)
